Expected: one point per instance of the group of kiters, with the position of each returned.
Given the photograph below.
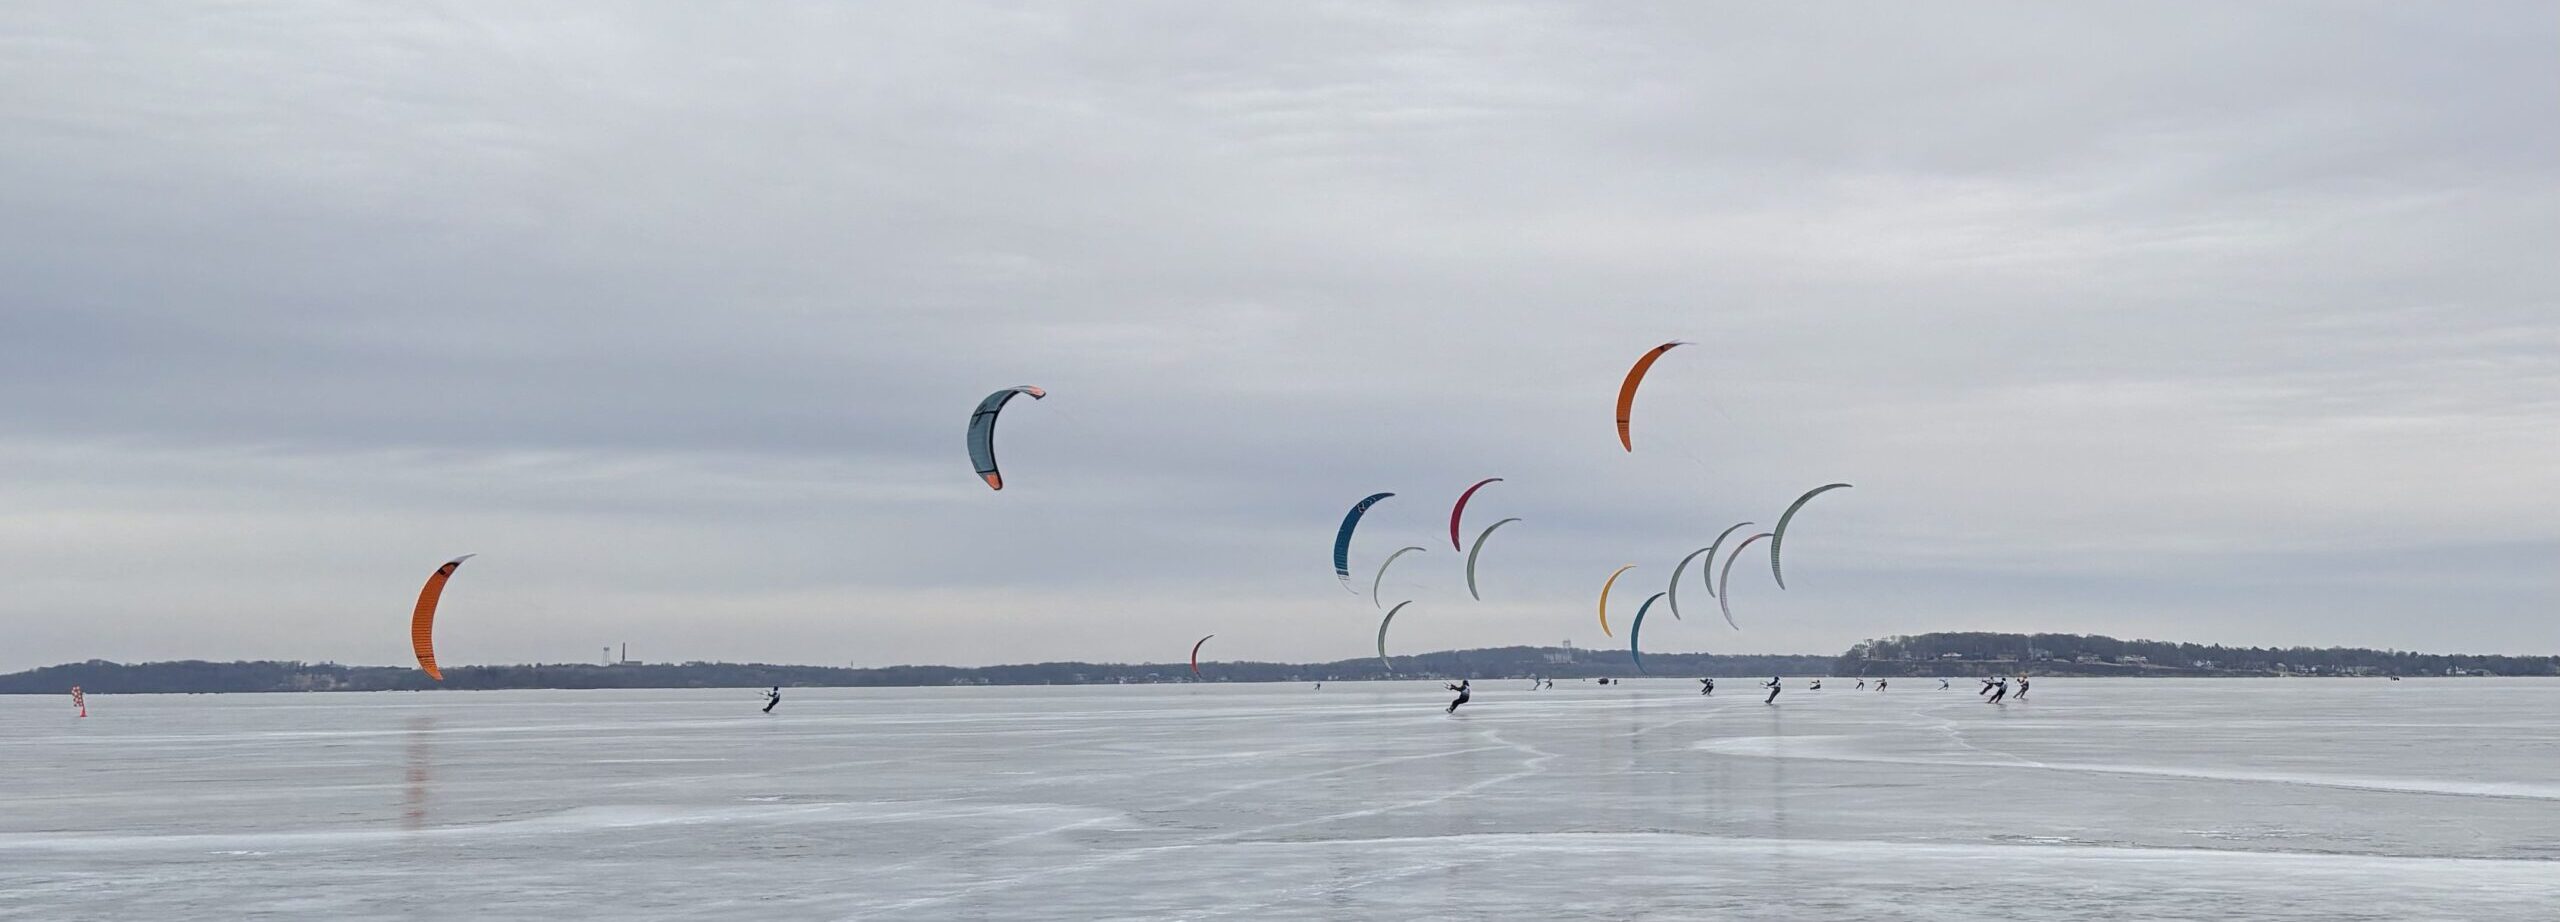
(1995, 689)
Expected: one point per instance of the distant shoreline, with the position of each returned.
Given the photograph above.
(1924, 656)
(1749, 680)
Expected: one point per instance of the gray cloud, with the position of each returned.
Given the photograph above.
(2203, 323)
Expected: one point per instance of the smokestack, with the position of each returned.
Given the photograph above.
(626, 651)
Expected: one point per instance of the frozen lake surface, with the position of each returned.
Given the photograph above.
(2098, 799)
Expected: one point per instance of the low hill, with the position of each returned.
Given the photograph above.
(2099, 655)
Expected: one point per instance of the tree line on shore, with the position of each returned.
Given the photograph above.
(1945, 654)
(1978, 653)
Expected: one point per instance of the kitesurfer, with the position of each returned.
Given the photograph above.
(1862, 685)
(1461, 689)
(1986, 686)
(1999, 690)
(2022, 688)
(1706, 686)
(1774, 688)
(1942, 685)
(1880, 684)
(772, 698)
(1816, 686)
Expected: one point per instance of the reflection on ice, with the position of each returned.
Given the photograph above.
(421, 762)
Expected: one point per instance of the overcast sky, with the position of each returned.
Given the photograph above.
(2227, 323)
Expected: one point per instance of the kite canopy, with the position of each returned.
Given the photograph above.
(1635, 632)
(1724, 598)
(1195, 656)
(1382, 633)
(1706, 571)
(1675, 578)
(1604, 599)
(982, 432)
(1461, 508)
(1382, 573)
(422, 622)
(1779, 538)
(1627, 390)
(1478, 548)
(1342, 540)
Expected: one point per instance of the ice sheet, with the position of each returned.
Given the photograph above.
(2099, 799)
